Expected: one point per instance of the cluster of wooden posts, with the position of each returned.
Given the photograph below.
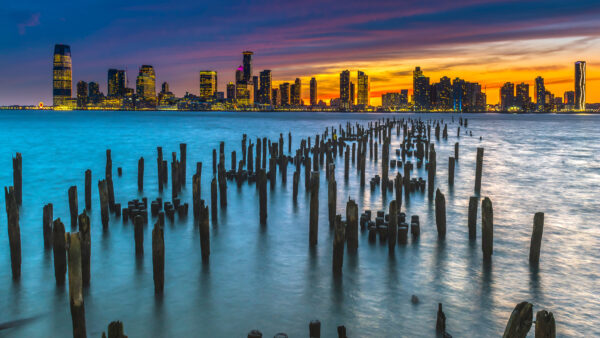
(73, 250)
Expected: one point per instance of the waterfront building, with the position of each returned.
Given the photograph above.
(345, 98)
(247, 65)
(580, 85)
(117, 81)
(313, 91)
(62, 81)
(146, 87)
(82, 94)
(420, 90)
(266, 83)
(231, 91)
(522, 98)
(284, 92)
(540, 94)
(295, 92)
(208, 85)
(364, 89)
(507, 96)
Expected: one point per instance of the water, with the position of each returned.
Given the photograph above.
(267, 277)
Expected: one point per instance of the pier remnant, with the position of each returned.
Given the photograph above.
(76, 284)
(536, 238)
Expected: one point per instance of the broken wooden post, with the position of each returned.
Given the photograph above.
(347, 163)
(398, 187)
(138, 232)
(545, 327)
(258, 154)
(88, 190)
(338, 245)
(352, 226)
(213, 200)
(393, 226)
(536, 238)
(314, 209)
(314, 328)
(159, 164)
(331, 196)
(86, 247)
(440, 214)
(158, 257)
(47, 219)
(204, 232)
(115, 330)
(102, 190)
(487, 228)
(109, 182)
(73, 206)
(520, 321)
(18, 178)
(440, 325)
(196, 195)
(261, 181)
(140, 180)
(255, 334)
(473, 202)
(14, 231)
(60, 263)
(478, 170)
(75, 285)
(431, 172)
(451, 171)
(295, 186)
(456, 151)
(182, 163)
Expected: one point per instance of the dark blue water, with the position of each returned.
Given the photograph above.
(267, 277)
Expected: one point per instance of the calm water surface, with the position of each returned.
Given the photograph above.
(267, 277)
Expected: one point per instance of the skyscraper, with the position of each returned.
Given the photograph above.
(569, 99)
(94, 94)
(364, 89)
(61, 76)
(117, 81)
(345, 89)
(313, 92)
(82, 94)
(146, 83)
(239, 74)
(208, 85)
(459, 91)
(255, 87)
(266, 83)
(247, 62)
(231, 91)
(540, 94)
(420, 90)
(507, 95)
(580, 85)
(522, 98)
(275, 97)
(296, 98)
(444, 93)
(352, 94)
(284, 92)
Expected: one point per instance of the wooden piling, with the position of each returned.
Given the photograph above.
(86, 247)
(393, 226)
(196, 195)
(398, 186)
(314, 209)
(204, 232)
(88, 190)
(158, 257)
(59, 247)
(331, 199)
(478, 170)
(109, 182)
(73, 206)
(140, 178)
(536, 239)
(295, 185)
(338, 245)
(473, 203)
(440, 214)
(47, 219)
(262, 195)
(352, 226)
(213, 200)
(520, 321)
(14, 230)
(456, 151)
(440, 325)
(17, 162)
(102, 190)
(76, 285)
(487, 228)
(138, 223)
(183, 163)
(545, 327)
(314, 328)
(159, 165)
(431, 172)
(115, 330)
(451, 171)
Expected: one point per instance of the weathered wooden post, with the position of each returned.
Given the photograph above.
(262, 195)
(473, 202)
(102, 190)
(338, 245)
(138, 223)
(75, 285)
(431, 172)
(314, 209)
(331, 196)
(487, 228)
(213, 200)
(347, 163)
(233, 160)
(393, 226)
(352, 226)
(109, 182)
(398, 187)
(59, 246)
(440, 214)
(182, 163)
(520, 321)
(140, 178)
(456, 151)
(536, 238)
(258, 154)
(73, 206)
(159, 164)
(307, 173)
(295, 185)
(314, 328)
(47, 225)
(18, 178)
(255, 334)
(264, 153)
(14, 231)
(222, 186)
(204, 232)
(440, 325)
(545, 327)
(86, 247)
(196, 195)
(88, 190)
(158, 257)
(451, 171)
(115, 330)
(478, 170)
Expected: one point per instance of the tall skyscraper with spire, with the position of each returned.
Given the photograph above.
(247, 64)
(62, 77)
(580, 85)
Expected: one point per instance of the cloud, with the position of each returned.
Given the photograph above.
(32, 21)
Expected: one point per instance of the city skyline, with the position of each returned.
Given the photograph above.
(503, 42)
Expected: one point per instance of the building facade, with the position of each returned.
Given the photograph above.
(62, 77)
(208, 85)
(580, 85)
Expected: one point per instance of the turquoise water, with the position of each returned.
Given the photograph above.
(267, 278)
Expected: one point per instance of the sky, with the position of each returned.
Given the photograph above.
(490, 42)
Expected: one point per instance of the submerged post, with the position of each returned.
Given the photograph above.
(536, 238)
(86, 247)
(262, 195)
(440, 214)
(158, 257)
(138, 223)
(73, 206)
(352, 226)
(473, 202)
(393, 226)
(18, 178)
(140, 178)
(314, 209)
(487, 228)
(478, 170)
(88, 190)
(47, 225)
(103, 191)
(204, 232)
(14, 231)
(338, 245)
(75, 285)
(520, 321)
(451, 171)
(59, 246)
